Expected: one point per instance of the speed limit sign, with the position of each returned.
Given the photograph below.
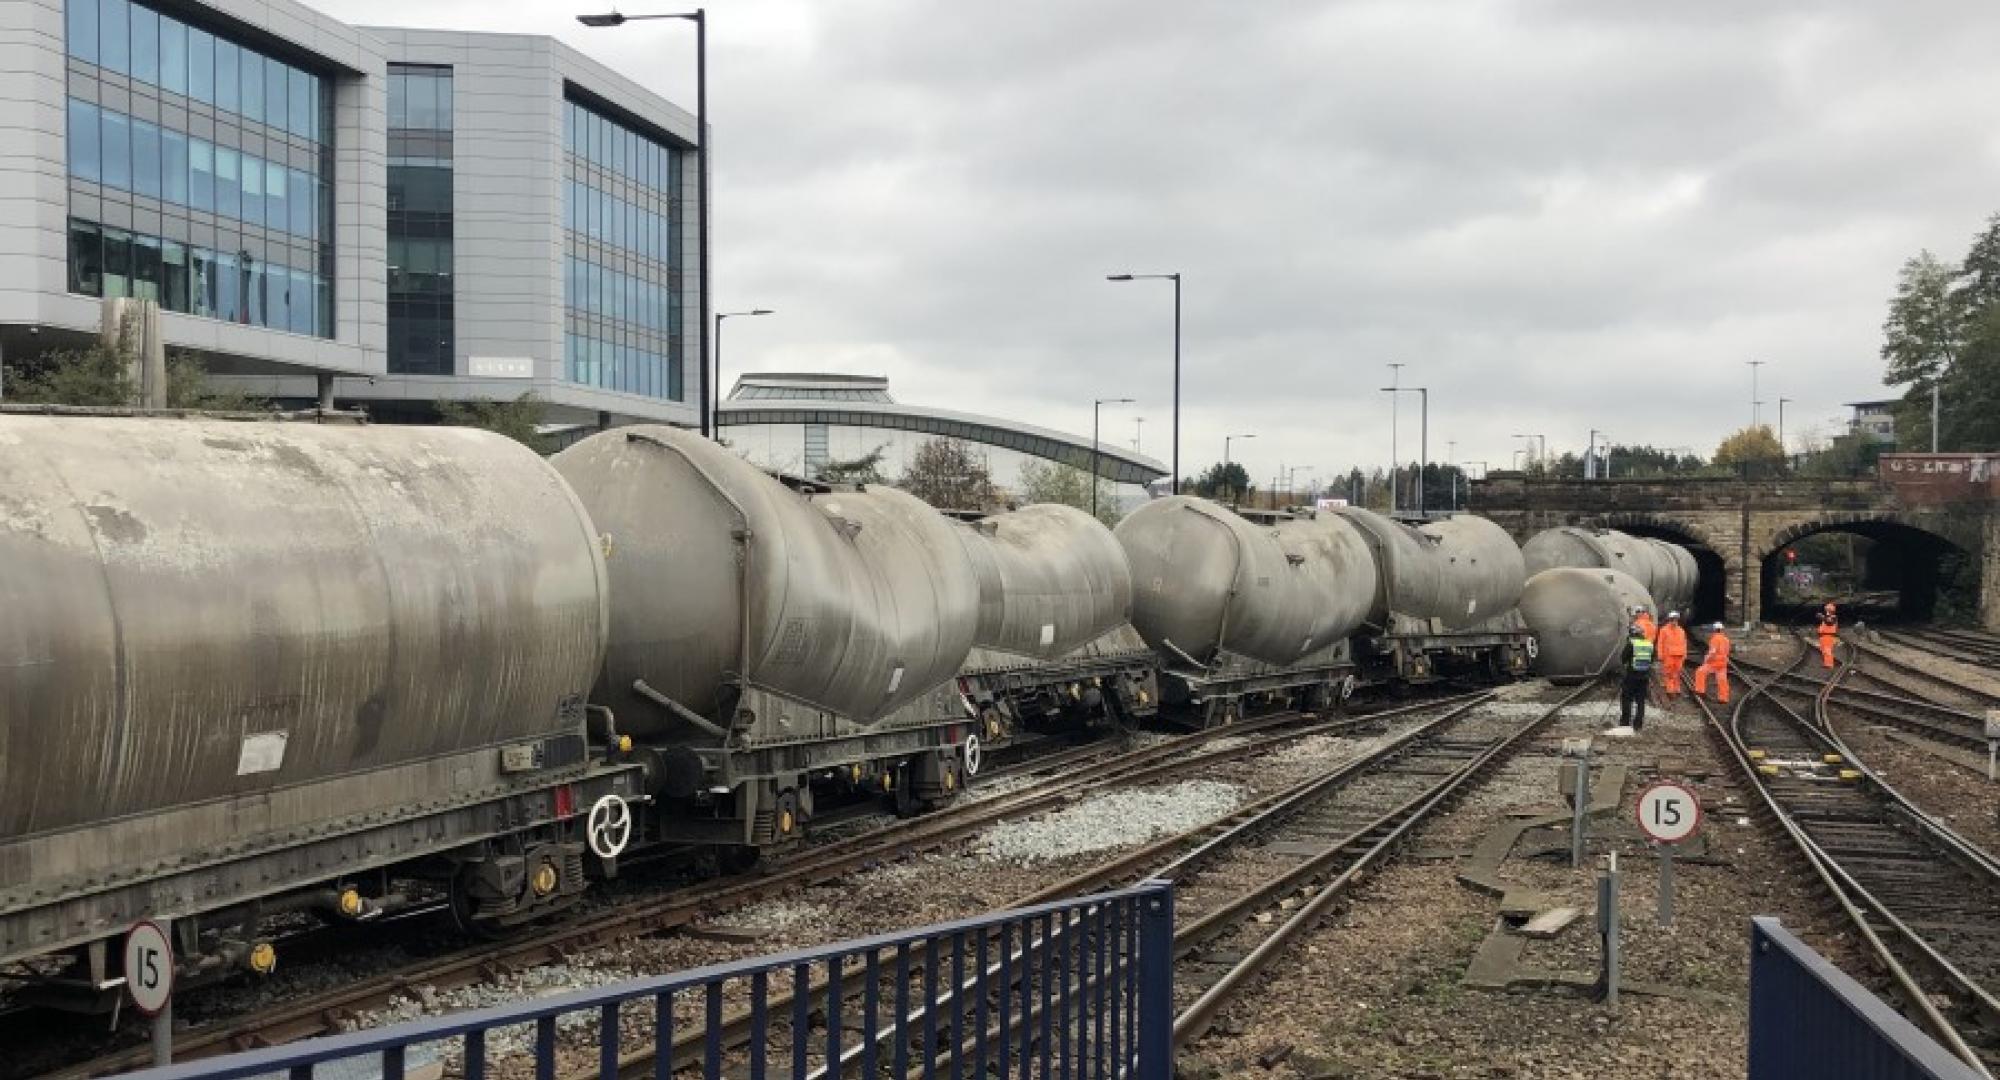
(149, 968)
(1669, 813)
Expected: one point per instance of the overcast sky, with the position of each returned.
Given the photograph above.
(1559, 215)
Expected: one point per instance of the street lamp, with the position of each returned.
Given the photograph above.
(1532, 455)
(1176, 279)
(710, 396)
(1226, 440)
(1096, 408)
(1468, 479)
(719, 316)
(1754, 365)
(1782, 402)
(1424, 453)
(1395, 450)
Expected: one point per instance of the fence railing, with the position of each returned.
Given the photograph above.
(1810, 1021)
(1078, 988)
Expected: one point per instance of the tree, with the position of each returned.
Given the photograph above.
(947, 474)
(866, 469)
(99, 374)
(188, 388)
(1922, 330)
(1970, 389)
(1750, 447)
(1227, 483)
(1054, 482)
(515, 419)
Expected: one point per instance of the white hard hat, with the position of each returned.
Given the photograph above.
(1673, 614)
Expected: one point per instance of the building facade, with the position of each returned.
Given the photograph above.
(802, 423)
(1875, 420)
(419, 215)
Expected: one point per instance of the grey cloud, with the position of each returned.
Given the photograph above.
(1561, 215)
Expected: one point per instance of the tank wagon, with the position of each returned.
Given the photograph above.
(1055, 645)
(1305, 608)
(232, 651)
(1666, 573)
(1580, 616)
(768, 641)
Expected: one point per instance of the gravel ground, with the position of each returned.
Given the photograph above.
(1111, 820)
(1959, 797)
(1376, 992)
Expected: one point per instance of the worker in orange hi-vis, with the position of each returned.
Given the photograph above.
(1643, 619)
(1716, 663)
(1673, 647)
(1829, 634)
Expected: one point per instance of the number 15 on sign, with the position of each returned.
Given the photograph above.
(1668, 814)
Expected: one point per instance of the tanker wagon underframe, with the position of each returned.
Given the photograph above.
(511, 834)
(1116, 681)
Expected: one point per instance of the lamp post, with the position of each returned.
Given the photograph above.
(1754, 365)
(1096, 409)
(1138, 433)
(719, 316)
(1468, 479)
(1424, 452)
(1590, 457)
(1782, 402)
(1534, 457)
(710, 396)
(1226, 440)
(1395, 449)
(1176, 279)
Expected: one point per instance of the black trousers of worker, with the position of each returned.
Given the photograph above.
(1632, 701)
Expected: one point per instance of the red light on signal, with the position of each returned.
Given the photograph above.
(1791, 556)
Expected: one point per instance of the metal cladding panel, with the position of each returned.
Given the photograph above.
(1579, 617)
(1051, 580)
(1411, 577)
(204, 609)
(1205, 580)
(857, 602)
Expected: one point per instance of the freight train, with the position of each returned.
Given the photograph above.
(257, 668)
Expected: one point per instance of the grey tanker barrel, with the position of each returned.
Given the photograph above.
(1051, 580)
(855, 602)
(1580, 617)
(1666, 573)
(1207, 580)
(1460, 571)
(199, 610)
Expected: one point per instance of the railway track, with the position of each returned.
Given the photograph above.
(1909, 677)
(1942, 723)
(1055, 779)
(1247, 884)
(1925, 901)
(1966, 646)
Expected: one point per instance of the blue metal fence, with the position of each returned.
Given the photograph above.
(1080, 988)
(1810, 1021)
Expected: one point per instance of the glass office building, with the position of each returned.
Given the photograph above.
(621, 230)
(200, 170)
(421, 339)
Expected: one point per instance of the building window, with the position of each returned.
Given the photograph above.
(621, 280)
(197, 181)
(422, 324)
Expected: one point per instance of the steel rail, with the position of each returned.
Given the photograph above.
(319, 1013)
(1853, 899)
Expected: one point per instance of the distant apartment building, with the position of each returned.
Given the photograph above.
(1874, 419)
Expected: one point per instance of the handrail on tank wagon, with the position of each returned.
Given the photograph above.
(1085, 983)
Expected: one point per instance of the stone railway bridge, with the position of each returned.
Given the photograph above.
(1739, 530)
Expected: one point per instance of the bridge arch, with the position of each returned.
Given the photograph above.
(1711, 598)
(1888, 553)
